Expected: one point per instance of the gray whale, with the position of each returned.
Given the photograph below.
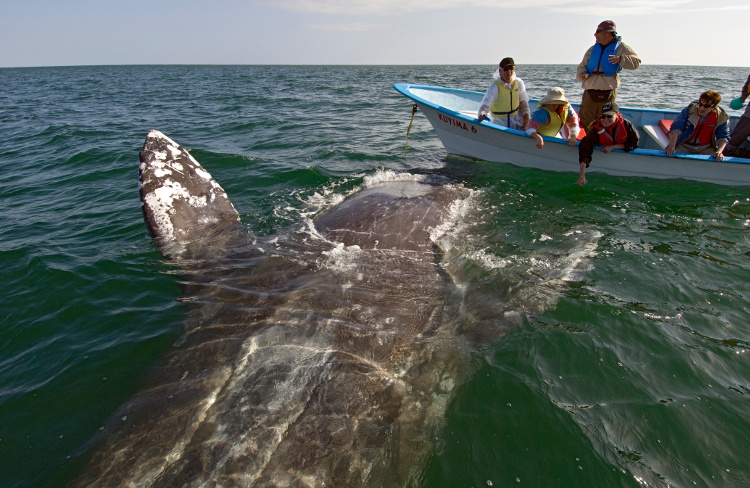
(323, 357)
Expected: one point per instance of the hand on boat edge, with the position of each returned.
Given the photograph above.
(538, 138)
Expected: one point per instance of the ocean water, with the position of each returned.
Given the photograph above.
(634, 370)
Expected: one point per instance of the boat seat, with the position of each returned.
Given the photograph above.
(659, 132)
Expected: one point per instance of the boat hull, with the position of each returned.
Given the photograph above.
(452, 114)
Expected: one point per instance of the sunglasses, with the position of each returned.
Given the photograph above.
(509, 68)
(705, 105)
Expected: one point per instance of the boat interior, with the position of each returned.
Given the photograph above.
(653, 125)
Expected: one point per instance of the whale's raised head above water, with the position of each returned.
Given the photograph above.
(180, 199)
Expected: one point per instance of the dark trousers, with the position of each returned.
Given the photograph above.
(591, 109)
(739, 134)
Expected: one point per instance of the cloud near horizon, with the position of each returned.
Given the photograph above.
(585, 7)
(349, 27)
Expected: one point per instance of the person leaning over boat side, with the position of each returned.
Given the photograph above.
(610, 131)
(554, 115)
(506, 98)
(701, 128)
(742, 130)
(598, 71)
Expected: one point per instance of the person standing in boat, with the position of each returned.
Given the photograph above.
(598, 71)
(506, 100)
(701, 128)
(610, 131)
(742, 130)
(554, 115)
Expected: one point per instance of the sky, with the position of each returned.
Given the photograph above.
(107, 32)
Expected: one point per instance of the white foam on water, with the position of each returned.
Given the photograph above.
(342, 259)
(488, 260)
(458, 211)
(390, 176)
(580, 258)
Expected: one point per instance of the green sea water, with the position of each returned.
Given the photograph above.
(636, 373)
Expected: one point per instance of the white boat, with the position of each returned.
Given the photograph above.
(453, 115)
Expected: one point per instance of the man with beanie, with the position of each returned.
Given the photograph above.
(598, 71)
(506, 99)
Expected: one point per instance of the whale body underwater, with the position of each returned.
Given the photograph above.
(323, 356)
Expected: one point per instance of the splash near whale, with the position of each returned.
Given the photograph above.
(323, 356)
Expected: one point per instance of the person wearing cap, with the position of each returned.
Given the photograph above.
(742, 130)
(701, 128)
(598, 71)
(506, 99)
(554, 115)
(610, 131)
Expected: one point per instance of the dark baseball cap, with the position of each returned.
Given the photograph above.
(610, 107)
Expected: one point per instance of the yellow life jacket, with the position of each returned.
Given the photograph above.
(507, 99)
(556, 122)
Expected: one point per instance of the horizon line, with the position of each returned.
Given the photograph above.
(332, 64)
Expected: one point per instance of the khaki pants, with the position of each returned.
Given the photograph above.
(683, 148)
(591, 110)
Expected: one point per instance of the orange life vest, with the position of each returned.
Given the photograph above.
(605, 133)
(702, 134)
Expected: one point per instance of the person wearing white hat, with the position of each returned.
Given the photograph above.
(554, 115)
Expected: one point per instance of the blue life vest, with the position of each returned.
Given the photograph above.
(599, 60)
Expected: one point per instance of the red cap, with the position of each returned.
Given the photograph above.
(607, 26)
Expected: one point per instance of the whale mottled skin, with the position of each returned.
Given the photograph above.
(329, 371)
(323, 357)
(180, 199)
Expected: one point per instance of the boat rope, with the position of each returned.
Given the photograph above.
(413, 111)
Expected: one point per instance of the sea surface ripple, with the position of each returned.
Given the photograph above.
(638, 376)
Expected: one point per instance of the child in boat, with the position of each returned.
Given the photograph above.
(554, 115)
(610, 131)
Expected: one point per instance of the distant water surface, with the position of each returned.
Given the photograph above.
(639, 375)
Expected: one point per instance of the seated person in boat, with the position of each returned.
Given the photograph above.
(506, 99)
(554, 115)
(742, 130)
(610, 131)
(701, 128)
